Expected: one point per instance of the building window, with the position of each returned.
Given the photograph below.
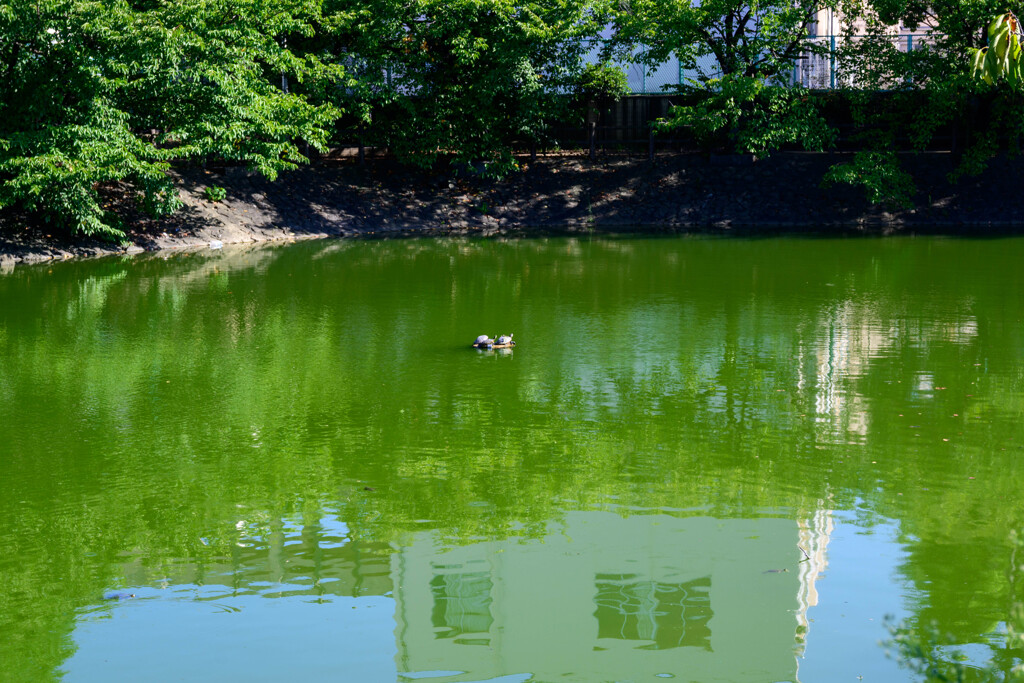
(665, 615)
(462, 607)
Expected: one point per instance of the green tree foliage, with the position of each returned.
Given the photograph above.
(602, 83)
(466, 78)
(930, 90)
(957, 25)
(104, 95)
(752, 46)
(750, 116)
(750, 39)
(872, 58)
(996, 76)
(879, 173)
(95, 93)
(1000, 59)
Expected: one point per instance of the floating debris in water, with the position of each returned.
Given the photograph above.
(119, 596)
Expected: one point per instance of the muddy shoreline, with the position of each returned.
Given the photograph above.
(564, 194)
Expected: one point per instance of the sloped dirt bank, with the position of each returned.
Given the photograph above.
(555, 194)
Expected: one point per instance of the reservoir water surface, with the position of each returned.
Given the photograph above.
(704, 460)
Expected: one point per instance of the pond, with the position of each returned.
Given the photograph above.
(704, 460)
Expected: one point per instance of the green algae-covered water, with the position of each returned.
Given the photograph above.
(705, 460)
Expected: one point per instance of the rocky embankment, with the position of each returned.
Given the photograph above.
(555, 194)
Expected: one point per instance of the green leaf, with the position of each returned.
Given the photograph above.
(978, 62)
(1000, 23)
(992, 67)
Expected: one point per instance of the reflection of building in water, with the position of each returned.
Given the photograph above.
(604, 597)
(666, 615)
(844, 345)
(847, 339)
(814, 534)
(601, 597)
(462, 605)
(313, 559)
(846, 342)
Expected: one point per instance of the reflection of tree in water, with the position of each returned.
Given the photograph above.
(668, 614)
(195, 387)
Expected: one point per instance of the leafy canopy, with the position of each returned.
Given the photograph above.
(945, 86)
(749, 38)
(97, 92)
(464, 78)
(751, 47)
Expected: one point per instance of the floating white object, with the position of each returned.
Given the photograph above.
(216, 244)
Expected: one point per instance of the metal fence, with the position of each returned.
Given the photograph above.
(663, 78)
(818, 69)
(824, 68)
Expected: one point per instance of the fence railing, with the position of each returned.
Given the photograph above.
(818, 69)
(665, 77)
(823, 69)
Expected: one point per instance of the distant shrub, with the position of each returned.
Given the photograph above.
(602, 83)
(215, 194)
